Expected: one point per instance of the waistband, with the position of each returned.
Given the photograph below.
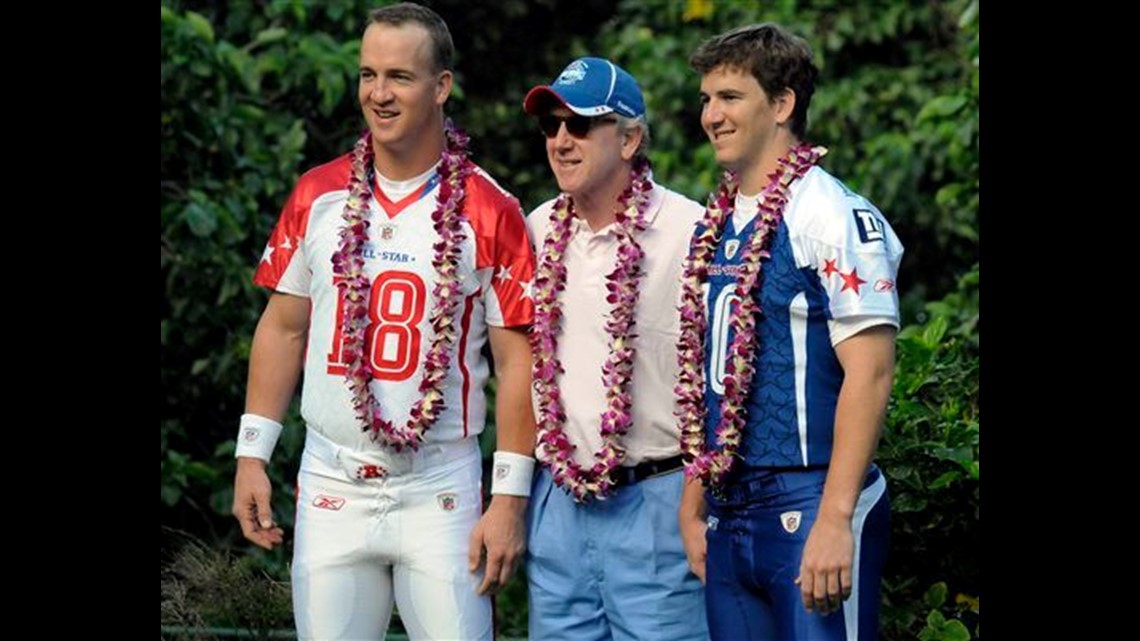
(772, 482)
(385, 462)
(646, 469)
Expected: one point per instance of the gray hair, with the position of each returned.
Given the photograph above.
(626, 123)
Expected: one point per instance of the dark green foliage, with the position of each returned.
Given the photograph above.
(930, 452)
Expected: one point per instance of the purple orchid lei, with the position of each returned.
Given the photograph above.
(348, 264)
(554, 448)
(712, 465)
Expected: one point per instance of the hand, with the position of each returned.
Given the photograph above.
(502, 533)
(252, 492)
(825, 570)
(693, 530)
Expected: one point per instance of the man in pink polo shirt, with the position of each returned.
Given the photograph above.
(605, 558)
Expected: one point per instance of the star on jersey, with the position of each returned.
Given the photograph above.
(267, 255)
(851, 281)
(527, 289)
(829, 268)
(504, 273)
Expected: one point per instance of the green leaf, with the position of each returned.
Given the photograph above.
(941, 107)
(201, 219)
(171, 494)
(935, 620)
(270, 35)
(935, 331)
(200, 25)
(199, 366)
(936, 595)
(945, 479)
(954, 631)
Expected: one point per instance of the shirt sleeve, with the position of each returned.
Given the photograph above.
(283, 267)
(853, 252)
(509, 284)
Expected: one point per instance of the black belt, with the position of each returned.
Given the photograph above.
(645, 469)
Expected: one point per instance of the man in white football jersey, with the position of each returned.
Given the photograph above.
(605, 559)
(391, 267)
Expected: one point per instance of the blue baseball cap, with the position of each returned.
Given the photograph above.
(589, 87)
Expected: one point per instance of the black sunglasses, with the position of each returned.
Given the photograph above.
(577, 126)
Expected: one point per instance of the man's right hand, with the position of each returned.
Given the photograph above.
(252, 493)
(691, 519)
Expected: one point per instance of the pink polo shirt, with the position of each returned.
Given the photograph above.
(584, 345)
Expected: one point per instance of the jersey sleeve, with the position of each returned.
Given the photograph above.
(850, 248)
(508, 286)
(283, 267)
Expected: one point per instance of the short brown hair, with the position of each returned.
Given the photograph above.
(777, 58)
(442, 49)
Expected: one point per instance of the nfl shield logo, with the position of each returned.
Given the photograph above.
(387, 232)
(730, 248)
(501, 471)
(790, 521)
(447, 501)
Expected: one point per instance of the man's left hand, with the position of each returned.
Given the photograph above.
(825, 570)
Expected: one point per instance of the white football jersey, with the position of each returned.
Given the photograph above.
(496, 277)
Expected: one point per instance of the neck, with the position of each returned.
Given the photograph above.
(406, 161)
(754, 178)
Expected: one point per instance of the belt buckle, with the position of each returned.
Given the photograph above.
(369, 471)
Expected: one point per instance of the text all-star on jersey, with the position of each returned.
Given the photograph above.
(496, 275)
(833, 258)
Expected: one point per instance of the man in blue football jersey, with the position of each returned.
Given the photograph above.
(798, 352)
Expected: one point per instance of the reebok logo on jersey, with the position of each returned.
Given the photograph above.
(884, 285)
(870, 227)
(324, 502)
(791, 521)
(447, 501)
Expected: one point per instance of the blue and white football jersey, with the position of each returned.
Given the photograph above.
(834, 258)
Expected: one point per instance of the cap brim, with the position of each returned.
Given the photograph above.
(540, 100)
(544, 98)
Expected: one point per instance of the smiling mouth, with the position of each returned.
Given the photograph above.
(717, 135)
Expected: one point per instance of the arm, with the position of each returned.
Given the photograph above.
(868, 360)
(501, 530)
(691, 515)
(275, 366)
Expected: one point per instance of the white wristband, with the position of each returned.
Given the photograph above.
(257, 436)
(512, 474)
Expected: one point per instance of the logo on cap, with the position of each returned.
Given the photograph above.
(573, 72)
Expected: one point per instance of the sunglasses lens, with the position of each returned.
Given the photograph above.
(577, 126)
(549, 125)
